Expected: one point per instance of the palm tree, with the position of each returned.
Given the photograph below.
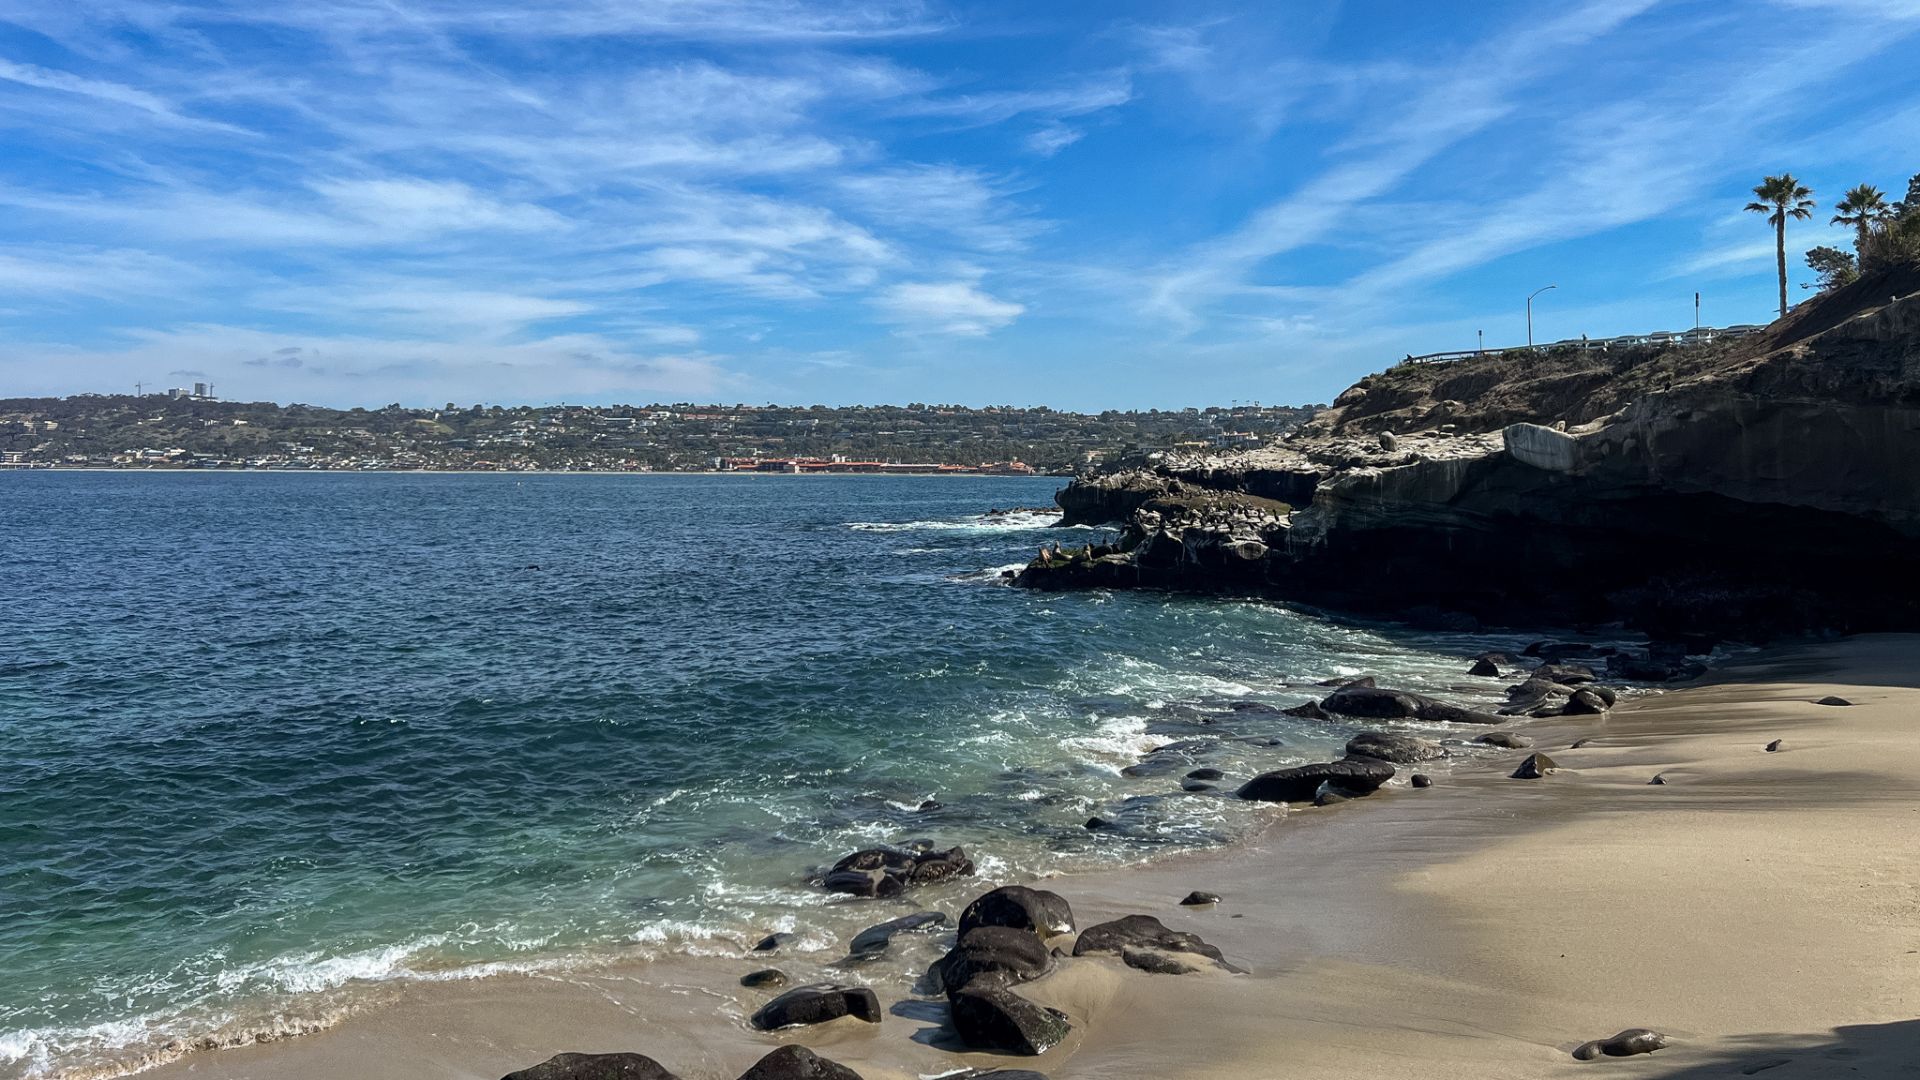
(1782, 197)
(1864, 207)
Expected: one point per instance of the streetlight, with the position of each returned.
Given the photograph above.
(1530, 297)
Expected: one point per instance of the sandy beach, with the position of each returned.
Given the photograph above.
(1762, 909)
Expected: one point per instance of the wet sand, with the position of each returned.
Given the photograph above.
(1763, 909)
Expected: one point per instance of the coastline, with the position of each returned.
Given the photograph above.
(1480, 928)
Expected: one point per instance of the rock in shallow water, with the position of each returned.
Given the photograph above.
(1359, 775)
(764, 979)
(773, 942)
(595, 1067)
(882, 872)
(1200, 899)
(871, 943)
(1399, 749)
(817, 1004)
(1422, 780)
(797, 1063)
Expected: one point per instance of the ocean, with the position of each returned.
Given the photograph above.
(272, 741)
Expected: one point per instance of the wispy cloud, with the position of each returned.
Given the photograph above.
(946, 307)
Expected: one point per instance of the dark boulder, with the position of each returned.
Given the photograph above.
(1626, 1044)
(1422, 780)
(1399, 749)
(881, 872)
(1310, 710)
(1659, 779)
(1535, 767)
(1372, 702)
(1140, 932)
(1485, 668)
(1509, 739)
(1360, 775)
(764, 978)
(1584, 702)
(1206, 772)
(1776, 746)
(1200, 899)
(595, 1067)
(1605, 693)
(1832, 700)
(1005, 954)
(773, 942)
(1440, 712)
(870, 943)
(1564, 674)
(1098, 824)
(1016, 906)
(797, 1063)
(817, 1004)
(992, 1017)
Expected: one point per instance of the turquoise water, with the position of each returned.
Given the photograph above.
(272, 739)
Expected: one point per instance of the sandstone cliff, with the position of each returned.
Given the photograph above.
(1747, 488)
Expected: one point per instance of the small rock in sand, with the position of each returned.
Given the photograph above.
(1832, 700)
(1535, 767)
(765, 977)
(1581, 743)
(1508, 739)
(1659, 778)
(1154, 962)
(1626, 1044)
(1775, 746)
(1200, 899)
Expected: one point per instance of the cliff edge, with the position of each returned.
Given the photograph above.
(1746, 488)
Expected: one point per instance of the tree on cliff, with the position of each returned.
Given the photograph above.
(1782, 197)
(1834, 267)
(1864, 207)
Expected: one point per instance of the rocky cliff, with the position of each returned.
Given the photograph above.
(1747, 488)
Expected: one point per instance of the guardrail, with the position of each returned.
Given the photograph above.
(1698, 336)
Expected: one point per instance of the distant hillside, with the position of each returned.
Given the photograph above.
(160, 431)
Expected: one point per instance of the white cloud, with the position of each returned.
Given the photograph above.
(948, 307)
(1052, 139)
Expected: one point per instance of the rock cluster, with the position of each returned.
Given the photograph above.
(885, 872)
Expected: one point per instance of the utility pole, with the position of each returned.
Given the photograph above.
(1482, 347)
(1530, 297)
(1696, 311)
(139, 389)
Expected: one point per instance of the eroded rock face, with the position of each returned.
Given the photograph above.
(1686, 492)
(595, 1067)
(991, 1017)
(817, 1004)
(884, 872)
(1359, 775)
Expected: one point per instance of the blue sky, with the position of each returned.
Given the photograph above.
(1085, 205)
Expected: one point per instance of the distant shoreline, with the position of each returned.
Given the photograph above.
(525, 472)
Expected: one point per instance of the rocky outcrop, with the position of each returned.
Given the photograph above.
(991, 1017)
(1353, 776)
(883, 872)
(1692, 490)
(1001, 954)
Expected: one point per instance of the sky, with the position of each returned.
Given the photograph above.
(1085, 205)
